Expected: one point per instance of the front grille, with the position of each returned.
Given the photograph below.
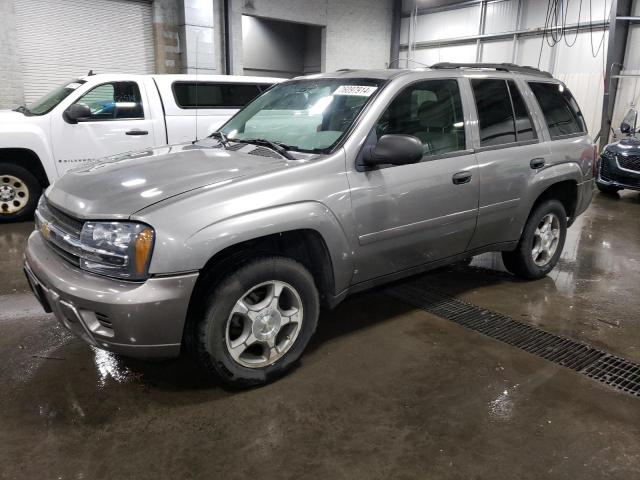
(61, 231)
(59, 218)
(630, 162)
(618, 177)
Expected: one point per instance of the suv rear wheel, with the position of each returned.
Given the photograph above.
(541, 242)
(258, 321)
(19, 193)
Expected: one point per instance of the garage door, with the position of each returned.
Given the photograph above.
(63, 39)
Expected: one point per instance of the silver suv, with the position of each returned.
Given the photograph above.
(323, 186)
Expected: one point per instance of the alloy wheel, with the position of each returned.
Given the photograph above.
(545, 239)
(264, 324)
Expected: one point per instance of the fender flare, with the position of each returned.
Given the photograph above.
(32, 139)
(545, 178)
(201, 246)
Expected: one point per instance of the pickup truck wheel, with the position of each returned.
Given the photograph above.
(258, 322)
(541, 242)
(19, 193)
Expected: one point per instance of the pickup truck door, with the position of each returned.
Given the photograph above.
(410, 215)
(120, 121)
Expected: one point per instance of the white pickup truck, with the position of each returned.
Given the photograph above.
(101, 115)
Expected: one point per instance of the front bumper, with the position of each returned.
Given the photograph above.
(134, 319)
(611, 174)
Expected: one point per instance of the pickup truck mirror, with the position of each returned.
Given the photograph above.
(77, 112)
(629, 121)
(394, 150)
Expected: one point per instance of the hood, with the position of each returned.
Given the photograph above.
(625, 146)
(9, 116)
(124, 184)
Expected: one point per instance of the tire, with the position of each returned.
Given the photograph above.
(608, 189)
(523, 261)
(19, 193)
(247, 346)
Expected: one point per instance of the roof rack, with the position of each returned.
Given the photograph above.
(503, 67)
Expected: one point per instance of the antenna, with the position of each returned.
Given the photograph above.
(197, 98)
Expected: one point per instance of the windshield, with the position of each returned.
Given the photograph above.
(53, 98)
(306, 115)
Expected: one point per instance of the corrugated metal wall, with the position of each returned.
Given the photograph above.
(63, 39)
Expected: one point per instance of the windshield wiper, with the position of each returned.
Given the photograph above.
(22, 109)
(222, 137)
(281, 148)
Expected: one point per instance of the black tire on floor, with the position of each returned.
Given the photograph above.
(608, 189)
(211, 329)
(520, 261)
(25, 209)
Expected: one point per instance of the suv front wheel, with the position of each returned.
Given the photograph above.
(541, 242)
(258, 322)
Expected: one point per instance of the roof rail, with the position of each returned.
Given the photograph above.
(504, 67)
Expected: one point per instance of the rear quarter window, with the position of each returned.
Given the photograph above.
(213, 95)
(560, 110)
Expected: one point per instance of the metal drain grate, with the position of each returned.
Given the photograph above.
(609, 369)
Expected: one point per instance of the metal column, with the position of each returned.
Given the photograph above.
(618, 33)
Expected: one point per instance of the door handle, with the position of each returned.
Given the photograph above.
(137, 132)
(537, 163)
(461, 178)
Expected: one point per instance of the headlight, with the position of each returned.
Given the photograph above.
(117, 249)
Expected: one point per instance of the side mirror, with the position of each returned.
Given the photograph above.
(629, 122)
(394, 150)
(77, 112)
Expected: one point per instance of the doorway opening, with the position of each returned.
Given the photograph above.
(274, 48)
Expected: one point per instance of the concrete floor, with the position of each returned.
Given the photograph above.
(386, 391)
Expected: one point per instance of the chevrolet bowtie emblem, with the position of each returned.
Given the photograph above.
(46, 230)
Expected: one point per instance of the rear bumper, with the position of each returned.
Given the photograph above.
(134, 319)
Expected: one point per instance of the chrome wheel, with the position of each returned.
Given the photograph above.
(264, 324)
(545, 239)
(14, 194)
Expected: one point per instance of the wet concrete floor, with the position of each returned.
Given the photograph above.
(386, 391)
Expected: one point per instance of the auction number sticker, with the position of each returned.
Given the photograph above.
(73, 85)
(357, 90)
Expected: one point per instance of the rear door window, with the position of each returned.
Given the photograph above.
(559, 108)
(495, 113)
(214, 95)
(524, 126)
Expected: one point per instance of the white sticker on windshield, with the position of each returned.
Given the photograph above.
(73, 85)
(357, 90)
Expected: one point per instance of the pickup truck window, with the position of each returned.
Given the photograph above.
(429, 110)
(213, 95)
(53, 98)
(114, 101)
(559, 108)
(306, 115)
